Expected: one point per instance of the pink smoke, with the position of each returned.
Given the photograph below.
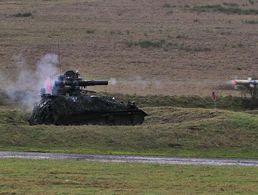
(48, 86)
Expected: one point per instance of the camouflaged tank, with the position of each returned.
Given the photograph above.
(69, 104)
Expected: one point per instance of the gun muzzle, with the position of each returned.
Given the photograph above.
(92, 83)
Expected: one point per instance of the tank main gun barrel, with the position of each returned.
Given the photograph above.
(92, 83)
(71, 84)
(85, 83)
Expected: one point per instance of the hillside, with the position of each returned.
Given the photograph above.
(150, 47)
(167, 131)
(166, 55)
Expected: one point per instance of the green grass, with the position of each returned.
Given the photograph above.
(81, 177)
(193, 131)
(167, 131)
(225, 9)
(224, 102)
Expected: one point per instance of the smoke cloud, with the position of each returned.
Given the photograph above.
(25, 89)
(136, 82)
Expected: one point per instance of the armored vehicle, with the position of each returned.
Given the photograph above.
(67, 102)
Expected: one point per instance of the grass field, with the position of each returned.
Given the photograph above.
(80, 177)
(150, 47)
(223, 102)
(171, 131)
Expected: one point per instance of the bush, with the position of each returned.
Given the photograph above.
(90, 31)
(147, 43)
(26, 14)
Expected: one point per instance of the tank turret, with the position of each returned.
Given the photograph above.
(71, 84)
(66, 101)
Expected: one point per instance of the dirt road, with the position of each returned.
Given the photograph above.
(130, 159)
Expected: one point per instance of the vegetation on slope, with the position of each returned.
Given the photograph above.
(167, 131)
(224, 102)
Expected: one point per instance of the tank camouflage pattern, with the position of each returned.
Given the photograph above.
(68, 103)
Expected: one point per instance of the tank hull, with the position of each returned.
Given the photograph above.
(85, 110)
(103, 118)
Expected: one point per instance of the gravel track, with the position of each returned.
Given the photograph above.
(130, 159)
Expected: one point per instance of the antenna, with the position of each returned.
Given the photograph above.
(59, 57)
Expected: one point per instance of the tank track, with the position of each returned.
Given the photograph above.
(130, 117)
(134, 117)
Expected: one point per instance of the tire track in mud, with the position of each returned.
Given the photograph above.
(130, 159)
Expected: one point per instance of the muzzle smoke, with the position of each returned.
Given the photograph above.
(26, 87)
(136, 82)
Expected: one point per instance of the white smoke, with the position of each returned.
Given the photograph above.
(25, 89)
(112, 81)
(136, 82)
(47, 67)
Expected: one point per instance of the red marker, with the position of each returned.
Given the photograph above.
(214, 96)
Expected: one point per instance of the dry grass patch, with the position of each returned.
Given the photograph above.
(92, 37)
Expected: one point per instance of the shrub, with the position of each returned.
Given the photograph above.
(90, 31)
(26, 14)
(148, 43)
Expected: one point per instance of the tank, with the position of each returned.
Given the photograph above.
(68, 102)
